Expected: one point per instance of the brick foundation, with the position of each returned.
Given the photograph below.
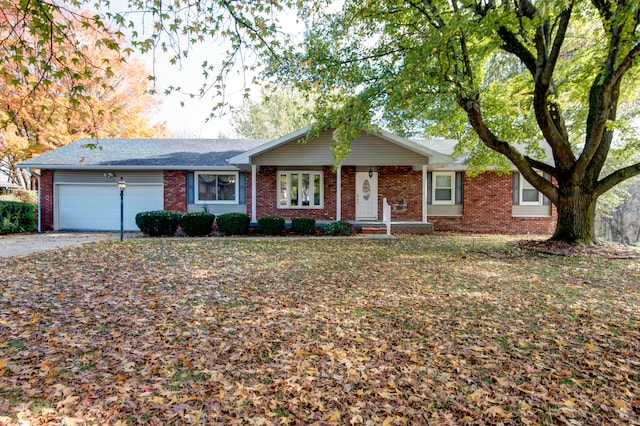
(175, 190)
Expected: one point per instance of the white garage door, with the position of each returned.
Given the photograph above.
(97, 207)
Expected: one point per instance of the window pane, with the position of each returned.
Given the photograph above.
(206, 187)
(443, 181)
(294, 190)
(304, 189)
(316, 190)
(443, 195)
(283, 190)
(530, 195)
(226, 187)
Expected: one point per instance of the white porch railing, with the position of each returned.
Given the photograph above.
(386, 215)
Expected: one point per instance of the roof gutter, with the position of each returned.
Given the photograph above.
(117, 167)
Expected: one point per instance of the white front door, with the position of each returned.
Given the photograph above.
(366, 196)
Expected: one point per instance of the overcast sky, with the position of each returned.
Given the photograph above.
(190, 120)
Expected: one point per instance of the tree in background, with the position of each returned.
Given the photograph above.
(618, 216)
(73, 87)
(276, 114)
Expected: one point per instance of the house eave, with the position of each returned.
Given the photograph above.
(245, 157)
(119, 167)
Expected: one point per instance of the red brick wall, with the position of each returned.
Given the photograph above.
(175, 190)
(46, 200)
(397, 184)
(267, 198)
(487, 208)
(348, 187)
(487, 201)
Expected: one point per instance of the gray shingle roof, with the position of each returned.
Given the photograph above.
(143, 153)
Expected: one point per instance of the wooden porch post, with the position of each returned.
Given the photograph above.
(254, 172)
(339, 193)
(424, 193)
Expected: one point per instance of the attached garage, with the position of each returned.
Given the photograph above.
(84, 201)
(79, 186)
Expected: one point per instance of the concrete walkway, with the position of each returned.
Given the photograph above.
(19, 245)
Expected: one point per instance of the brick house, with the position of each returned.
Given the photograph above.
(425, 186)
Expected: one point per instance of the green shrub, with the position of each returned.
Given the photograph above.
(17, 217)
(271, 225)
(160, 222)
(339, 228)
(233, 223)
(196, 224)
(303, 225)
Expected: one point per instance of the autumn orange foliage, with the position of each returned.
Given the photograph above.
(76, 86)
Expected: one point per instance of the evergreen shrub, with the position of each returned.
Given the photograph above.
(158, 222)
(271, 225)
(16, 217)
(196, 224)
(233, 223)
(304, 225)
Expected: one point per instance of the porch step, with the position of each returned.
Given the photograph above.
(370, 230)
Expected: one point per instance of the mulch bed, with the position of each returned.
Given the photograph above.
(601, 249)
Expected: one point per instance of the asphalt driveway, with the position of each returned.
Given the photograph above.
(23, 244)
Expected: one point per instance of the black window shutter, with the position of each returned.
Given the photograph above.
(459, 189)
(190, 188)
(242, 181)
(515, 180)
(429, 177)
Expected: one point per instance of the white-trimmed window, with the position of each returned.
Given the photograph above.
(443, 188)
(300, 189)
(528, 194)
(216, 187)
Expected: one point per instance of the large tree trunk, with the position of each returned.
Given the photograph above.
(576, 216)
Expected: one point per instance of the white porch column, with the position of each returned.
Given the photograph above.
(424, 193)
(254, 172)
(339, 193)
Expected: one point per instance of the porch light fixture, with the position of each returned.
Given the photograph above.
(370, 172)
(122, 185)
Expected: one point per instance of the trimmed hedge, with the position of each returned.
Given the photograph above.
(271, 225)
(17, 217)
(233, 223)
(339, 228)
(303, 225)
(196, 224)
(156, 223)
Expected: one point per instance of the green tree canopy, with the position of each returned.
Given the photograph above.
(499, 76)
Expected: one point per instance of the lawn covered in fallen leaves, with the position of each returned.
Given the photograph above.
(416, 330)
